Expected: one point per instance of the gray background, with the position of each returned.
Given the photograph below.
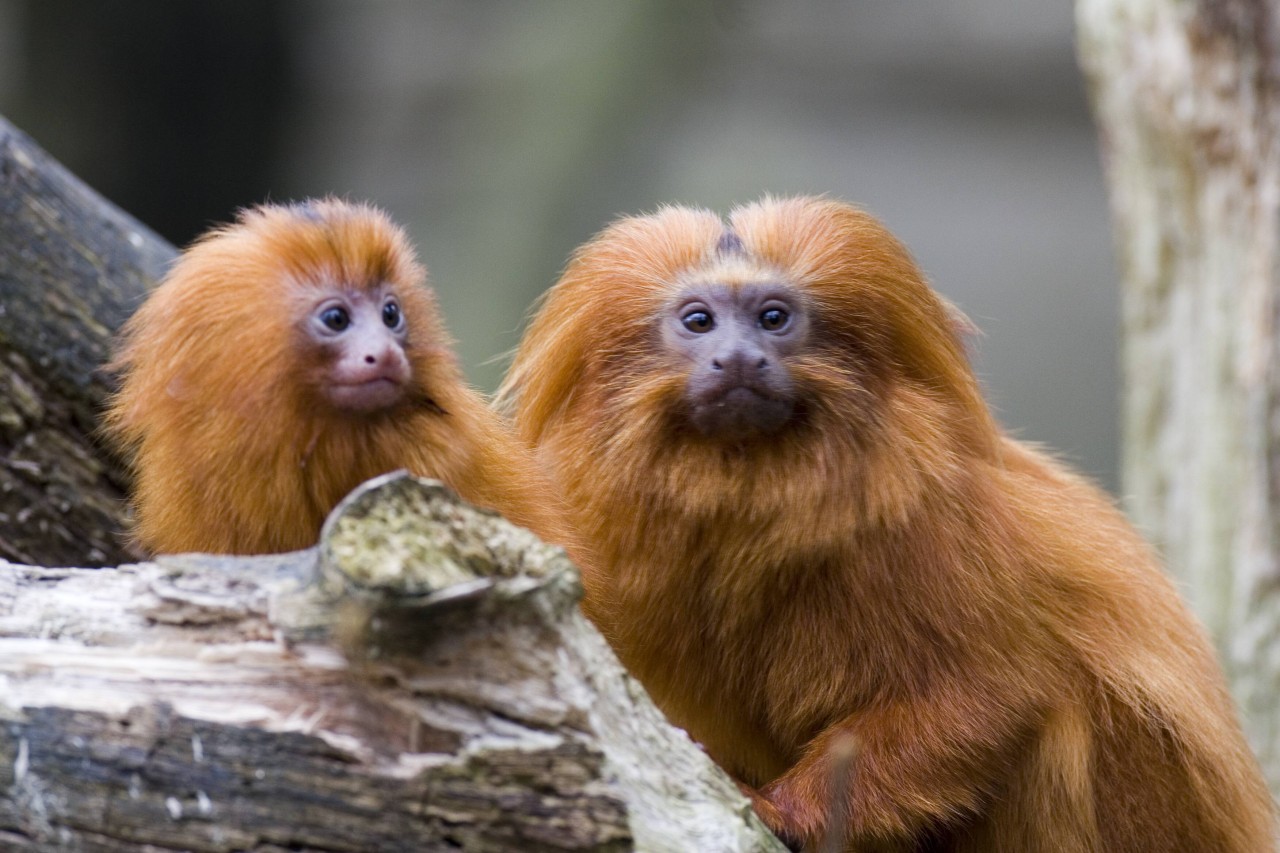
(503, 133)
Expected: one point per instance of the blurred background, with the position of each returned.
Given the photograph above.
(504, 133)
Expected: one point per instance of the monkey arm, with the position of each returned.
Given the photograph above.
(912, 763)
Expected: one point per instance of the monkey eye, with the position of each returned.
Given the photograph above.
(335, 319)
(698, 321)
(773, 319)
(391, 315)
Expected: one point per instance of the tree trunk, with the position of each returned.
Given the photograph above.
(423, 680)
(72, 268)
(1186, 99)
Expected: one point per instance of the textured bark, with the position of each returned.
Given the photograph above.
(72, 268)
(423, 680)
(1187, 99)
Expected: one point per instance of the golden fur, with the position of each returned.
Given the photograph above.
(231, 451)
(1014, 669)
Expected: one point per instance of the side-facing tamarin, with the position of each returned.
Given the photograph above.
(812, 541)
(286, 358)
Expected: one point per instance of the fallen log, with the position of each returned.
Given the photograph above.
(422, 680)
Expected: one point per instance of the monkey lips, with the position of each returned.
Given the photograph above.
(369, 396)
(736, 411)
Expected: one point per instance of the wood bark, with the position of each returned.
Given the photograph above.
(72, 269)
(423, 680)
(1187, 100)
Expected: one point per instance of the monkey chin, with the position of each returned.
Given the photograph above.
(740, 414)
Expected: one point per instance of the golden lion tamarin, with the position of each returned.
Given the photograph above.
(285, 359)
(812, 542)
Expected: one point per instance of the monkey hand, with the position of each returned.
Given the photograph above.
(775, 816)
(893, 771)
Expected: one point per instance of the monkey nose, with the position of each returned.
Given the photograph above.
(740, 363)
(372, 363)
(381, 355)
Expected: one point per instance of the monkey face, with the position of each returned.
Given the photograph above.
(359, 338)
(735, 341)
(693, 354)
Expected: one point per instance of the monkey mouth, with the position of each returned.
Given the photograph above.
(740, 411)
(368, 395)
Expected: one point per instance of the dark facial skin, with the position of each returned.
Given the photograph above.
(360, 336)
(737, 340)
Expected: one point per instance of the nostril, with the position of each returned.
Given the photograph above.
(370, 359)
(716, 365)
(764, 363)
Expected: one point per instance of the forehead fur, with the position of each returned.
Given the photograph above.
(354, 244)
(848, 266)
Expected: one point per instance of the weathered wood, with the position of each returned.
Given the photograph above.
(422, 681)
(72, 269)
(1187, 99)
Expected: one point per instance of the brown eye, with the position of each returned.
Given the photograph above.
(773, 319)
(698, 321)
(391, 316)
(335, 319)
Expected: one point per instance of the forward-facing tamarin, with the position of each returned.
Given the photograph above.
(812, 541)
(286, 358)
